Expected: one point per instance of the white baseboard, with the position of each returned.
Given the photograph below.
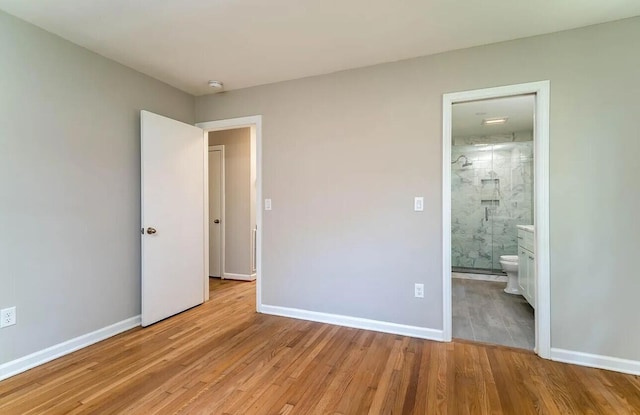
(43, 356)
(616, 364)
(355, 322)
(240, 277)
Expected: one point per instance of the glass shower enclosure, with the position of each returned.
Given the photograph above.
(491, 193)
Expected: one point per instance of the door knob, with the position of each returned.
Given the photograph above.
(151, 230)
(216, 221)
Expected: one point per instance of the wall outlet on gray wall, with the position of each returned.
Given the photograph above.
(7, 317)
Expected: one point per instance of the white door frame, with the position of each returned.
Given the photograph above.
(222, 209)
(541, 202)
(255, 123)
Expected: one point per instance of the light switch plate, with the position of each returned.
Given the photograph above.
(418, 204)
(267, 204)
(418, 290)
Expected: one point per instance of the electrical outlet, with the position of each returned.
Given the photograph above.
(419, 290)
(267, 204)
(7, 317)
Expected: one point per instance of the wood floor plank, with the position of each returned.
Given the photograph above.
(372, 362)
(223, 358)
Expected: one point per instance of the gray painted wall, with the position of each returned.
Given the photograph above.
(69, 186)
(238, 227)
(344, 155)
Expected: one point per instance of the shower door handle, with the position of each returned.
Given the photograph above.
(486, 214)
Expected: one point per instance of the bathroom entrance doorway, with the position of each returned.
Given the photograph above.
(495, 181)
(491, 194)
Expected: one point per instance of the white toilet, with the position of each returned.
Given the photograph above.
(510, 266)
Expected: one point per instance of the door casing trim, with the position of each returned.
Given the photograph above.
(541, 89)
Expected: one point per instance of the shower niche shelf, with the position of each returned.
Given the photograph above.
(490, 194)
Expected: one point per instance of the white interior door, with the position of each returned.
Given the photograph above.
(215, 212)
(173, 264)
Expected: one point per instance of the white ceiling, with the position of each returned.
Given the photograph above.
(251, 42)
(467, 117)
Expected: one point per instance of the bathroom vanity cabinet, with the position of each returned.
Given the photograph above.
(526, 264)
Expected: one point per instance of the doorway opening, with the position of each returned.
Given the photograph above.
(495, 216)
(491, 197)
(233, 233)
(232, 205)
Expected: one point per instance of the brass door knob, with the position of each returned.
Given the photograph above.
(151, 230)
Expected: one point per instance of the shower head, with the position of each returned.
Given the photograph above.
(466, 163)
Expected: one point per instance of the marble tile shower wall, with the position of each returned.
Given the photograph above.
(488, 200)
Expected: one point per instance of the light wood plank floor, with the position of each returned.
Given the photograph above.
(216, 284)
(223, 358)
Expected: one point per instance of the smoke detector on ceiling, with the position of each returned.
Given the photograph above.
(216, 85)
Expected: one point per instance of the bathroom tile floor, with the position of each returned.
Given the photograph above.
(483, 312)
